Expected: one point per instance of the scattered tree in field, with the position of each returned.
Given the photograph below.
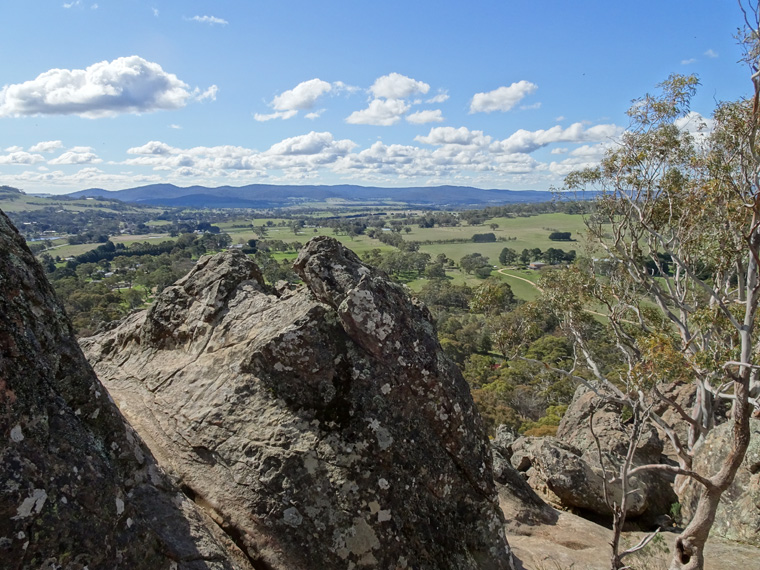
(560, 236)
(507, 256)
(492, 297)
(484, 238)
(525, 256)
(472, 261)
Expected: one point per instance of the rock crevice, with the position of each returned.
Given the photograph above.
(325, 425)
(78, 488)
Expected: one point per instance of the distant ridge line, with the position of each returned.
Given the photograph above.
(281, 196)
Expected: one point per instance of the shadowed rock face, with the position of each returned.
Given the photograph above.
(738, 514)
(77, 486)
(324, 428)
(566, 470)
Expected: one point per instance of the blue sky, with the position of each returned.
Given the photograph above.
(492, 94)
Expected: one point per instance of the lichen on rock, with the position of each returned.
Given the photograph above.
(78, 489)
(324, 426)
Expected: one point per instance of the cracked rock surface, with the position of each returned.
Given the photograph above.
(566, 471)
(78, 488)
(738, 514)
(323, 428)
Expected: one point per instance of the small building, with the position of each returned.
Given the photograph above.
(536, 265)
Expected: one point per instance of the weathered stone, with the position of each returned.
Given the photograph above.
(324, 426)
(738, 514)
(78, 489)
(566, 471)
(519, 502)
(574, 429)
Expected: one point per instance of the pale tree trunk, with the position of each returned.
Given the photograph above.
(689, 549)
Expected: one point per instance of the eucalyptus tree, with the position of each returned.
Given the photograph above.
(677, 217)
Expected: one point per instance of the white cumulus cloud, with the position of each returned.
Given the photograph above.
(124, 85)
(207, 95)
(397, 86)
(341, 87)
(212, 20)
(503, 98)
(21, 157)
(152, 147)
(381, 112)
(693, 123)
(309, 144)
(302, 97)
(314, 114)
(452, 136)
(77, 155)
(442, 97)
(46, 146)
(276, 115)
(428, 116)
(523, 141)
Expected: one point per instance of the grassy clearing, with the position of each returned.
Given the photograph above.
(530, 274)
(359, 244)
(455, 276)
(527, 232)
(520, 288)
(65, 251)
(150, 238)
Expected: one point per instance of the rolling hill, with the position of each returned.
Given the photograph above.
(275, 196)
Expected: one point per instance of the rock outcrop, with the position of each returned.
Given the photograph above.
(738, 514)
(78, 489)
(566, 470)
(519, 502)
(324, 428)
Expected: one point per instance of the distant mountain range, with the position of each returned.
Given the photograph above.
(274, 196)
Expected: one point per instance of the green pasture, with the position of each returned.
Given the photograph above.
(26, 202)
(455, 276)
(517, 281)
(523, 232)
(65, 251)
(127, 239)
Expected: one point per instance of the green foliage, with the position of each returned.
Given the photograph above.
(484, 238)
(473, 261)
(495, 410)
(480, 370)
(548, 424)
(494, 296)
(507, 256)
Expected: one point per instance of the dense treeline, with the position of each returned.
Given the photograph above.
(511, 380)
(106, 283)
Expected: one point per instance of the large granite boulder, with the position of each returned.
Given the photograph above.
(521, 505)
(324, 427)
(567, 472)
(738, 514)
(609, 427)
(78, 489)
